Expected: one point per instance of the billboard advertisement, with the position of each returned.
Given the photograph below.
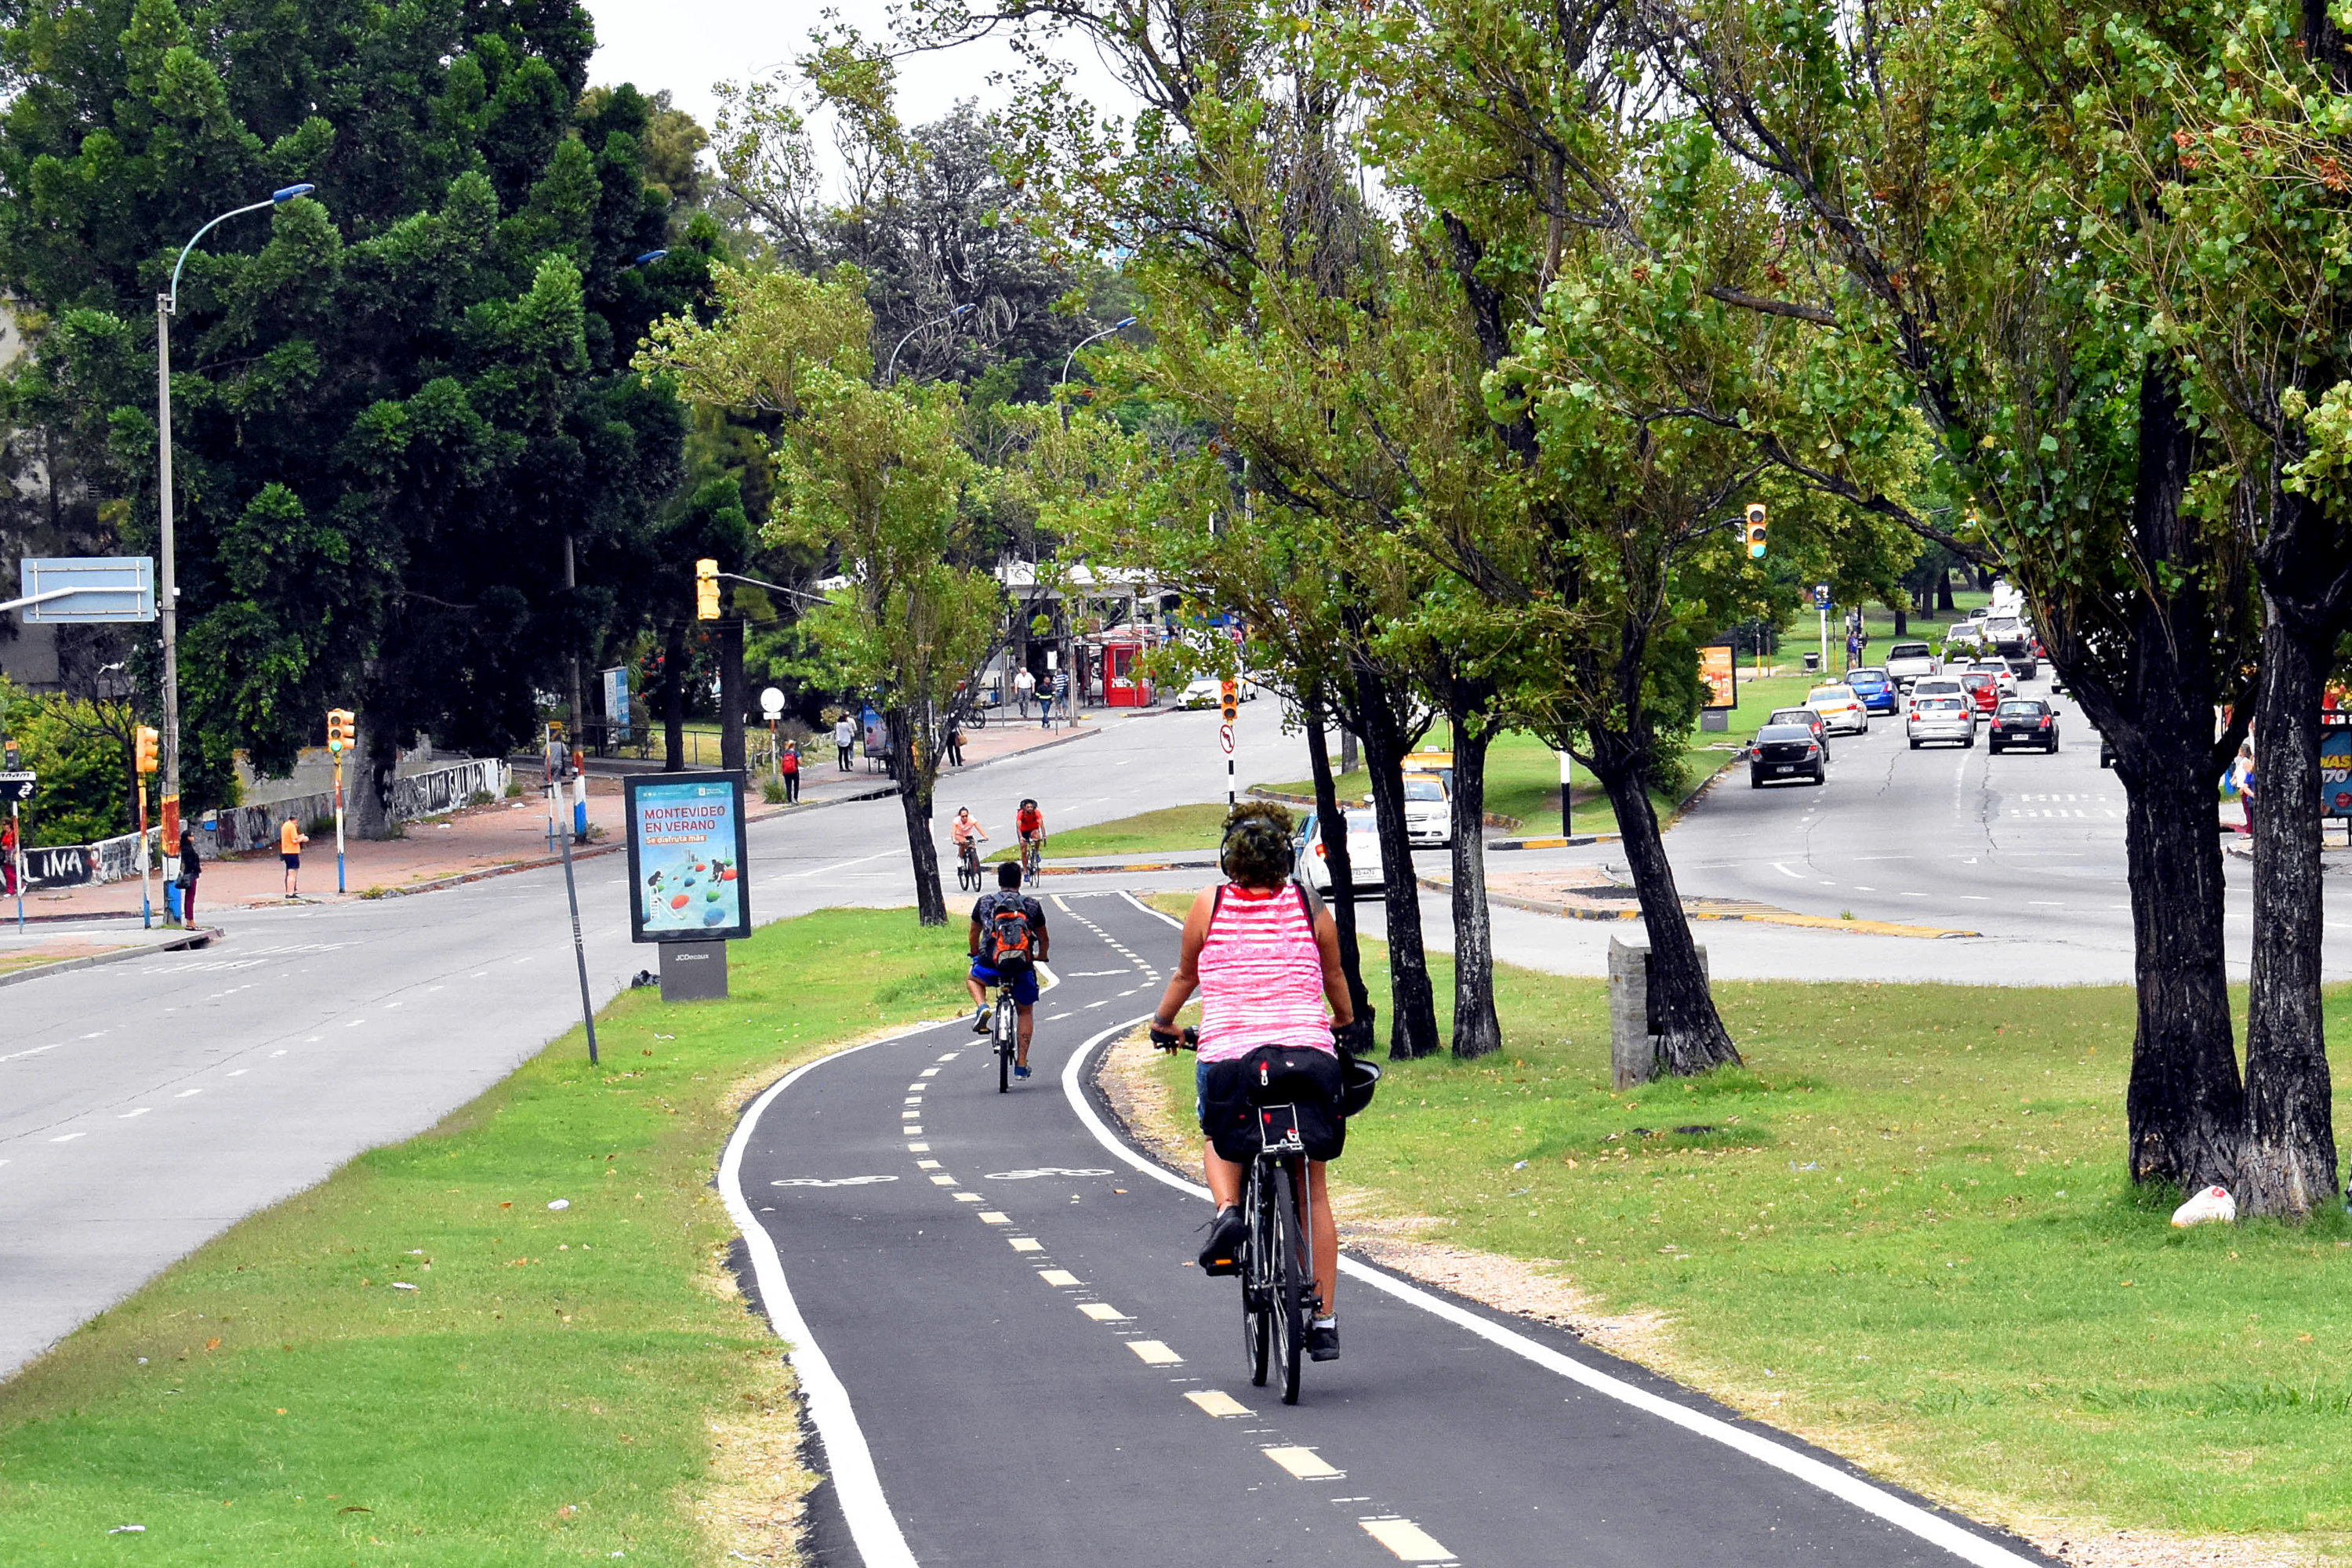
(1714, 674)
(2335, 762)
(687, 881)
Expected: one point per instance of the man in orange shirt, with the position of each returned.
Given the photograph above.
(290, 839)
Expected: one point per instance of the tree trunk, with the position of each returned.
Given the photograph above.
(1347, 750)
(1413, 1013)
(673, 698)
(1903, 618)
(1476, 1029)
(367, 778)
(1335, 855)
(732, 756)
(2286, 1164)
(1691, 1037)
(915, 802)
(1944, 605)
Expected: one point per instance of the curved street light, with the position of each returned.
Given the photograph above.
(891, 373)
(167, 304)
(1119, 326)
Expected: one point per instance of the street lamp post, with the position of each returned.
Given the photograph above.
(166, 305)
(1119, 326)
(891, 373)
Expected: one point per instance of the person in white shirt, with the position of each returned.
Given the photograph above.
(845, 736)
(1024, 684)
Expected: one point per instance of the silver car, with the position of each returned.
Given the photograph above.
(1940, 718)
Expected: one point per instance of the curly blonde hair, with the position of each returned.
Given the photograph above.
(1256, 851)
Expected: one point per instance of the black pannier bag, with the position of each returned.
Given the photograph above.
(1275, 1075)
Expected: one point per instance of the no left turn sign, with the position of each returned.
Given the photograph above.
(1226, 738)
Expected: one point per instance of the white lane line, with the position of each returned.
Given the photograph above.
(872, 1526)
(68, 1138)
(1407, 1540)
(35, 1051)
(844, 866)
(1793, 876)
(128, 1114)
(1861, 1494)
(185, 1092)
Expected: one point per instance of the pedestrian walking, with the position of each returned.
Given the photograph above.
(1062, 692)
(1024, 684)
(955, 745)
(2242, 774)
(191, 867)
(845, 736)
(290, 839)
(8, 858)
(789, 764)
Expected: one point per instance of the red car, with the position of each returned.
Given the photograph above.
(1982, 689)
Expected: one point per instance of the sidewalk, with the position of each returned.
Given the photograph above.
(44, 946)
(510, 834)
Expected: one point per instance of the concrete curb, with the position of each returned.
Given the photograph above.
(1080, 869)
(1554, 841)
(1760, 916)
(203, 936)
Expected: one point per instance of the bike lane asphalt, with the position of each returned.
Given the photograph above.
(1036, 1374)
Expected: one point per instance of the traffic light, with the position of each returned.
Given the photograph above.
(343, 732)
(148, 741)
(706, 590)
(1230, 697)
(11, 760)
(1756, 531)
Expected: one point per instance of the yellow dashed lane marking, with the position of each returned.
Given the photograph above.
(1102, 1311)
(926, 1164)
(1304, 1463)
(918, 1148)
(990, 1217)
(1215, 1402)
(1407, 1540)
(1057, 1276)
(968, 1197)
(1026, 1243)
(1154, 1354)
(943, 1181)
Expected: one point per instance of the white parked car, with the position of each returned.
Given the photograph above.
(1428, 811)
(1840, 709)
(1366, 872)
(1941, 718)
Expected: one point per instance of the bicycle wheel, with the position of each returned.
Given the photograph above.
(1258, 1295)
(1008, 1035)
(1293, 1278)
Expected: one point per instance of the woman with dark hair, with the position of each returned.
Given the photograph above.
(191, 868)
(1264, 955)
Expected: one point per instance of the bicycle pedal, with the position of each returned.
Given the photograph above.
(1221, 1266)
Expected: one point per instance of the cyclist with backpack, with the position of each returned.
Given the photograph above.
(1008, 942)
(1264, 953)
(1029, 824)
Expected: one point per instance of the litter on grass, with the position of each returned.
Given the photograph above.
(2212, 1203)
(401, 1285)
(560, 1204)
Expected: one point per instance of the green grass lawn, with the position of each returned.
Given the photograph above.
(1177, 827)
(548, 1392)
(1904, 1232)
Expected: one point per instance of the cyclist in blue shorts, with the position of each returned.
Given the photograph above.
(987, 921)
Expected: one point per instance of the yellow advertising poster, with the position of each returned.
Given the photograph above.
(1715, 670)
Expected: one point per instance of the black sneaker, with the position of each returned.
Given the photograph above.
(1323, 1341)
(1224, 1253)
(980, 1020)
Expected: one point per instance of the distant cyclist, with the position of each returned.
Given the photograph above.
(1007, 902)
(1264, 955)
(965, 830)
(1030, 823)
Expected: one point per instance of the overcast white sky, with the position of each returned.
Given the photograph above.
(688, 45)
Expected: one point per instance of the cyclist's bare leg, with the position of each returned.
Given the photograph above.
(1224, 1176)
(979, 992)
(1028, 1022)
(1325, 1232)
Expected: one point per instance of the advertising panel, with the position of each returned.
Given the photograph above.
(1714, 673)
(687, 881)
(616, 701)
(2335, 762)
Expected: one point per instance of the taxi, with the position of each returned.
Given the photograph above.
(1839, 708)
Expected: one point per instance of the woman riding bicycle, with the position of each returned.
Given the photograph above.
(966, 834)
(1264, 955)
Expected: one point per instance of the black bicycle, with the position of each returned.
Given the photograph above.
(1005, 1033)
(968, 874)
(1277, 1250)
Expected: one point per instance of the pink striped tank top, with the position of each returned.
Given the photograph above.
(1261, 976)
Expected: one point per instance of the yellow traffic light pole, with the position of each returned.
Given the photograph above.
(342, 729)
(1229, 701)
(143, 741)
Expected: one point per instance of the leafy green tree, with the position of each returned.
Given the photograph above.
(396, 403)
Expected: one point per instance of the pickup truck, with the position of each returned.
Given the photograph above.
(1908, 661)
(2011, 638)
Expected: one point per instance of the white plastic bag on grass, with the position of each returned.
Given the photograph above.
(2212, 1203)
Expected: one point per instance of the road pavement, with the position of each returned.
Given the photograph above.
(1007, 1350)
